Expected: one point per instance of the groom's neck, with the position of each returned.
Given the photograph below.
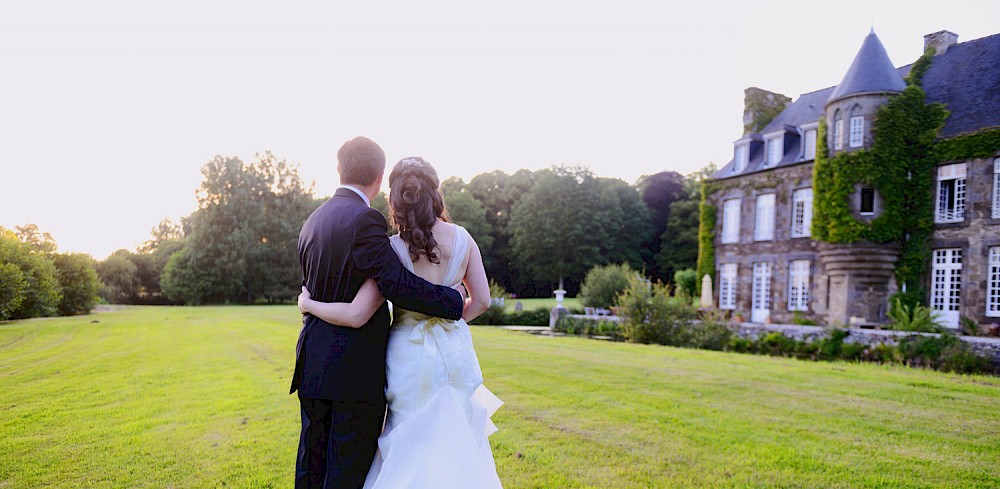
(369, 190)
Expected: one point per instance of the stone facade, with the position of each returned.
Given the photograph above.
(850, 284)
(974, 235)
(779, 251)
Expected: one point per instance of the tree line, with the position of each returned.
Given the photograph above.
(537, 230)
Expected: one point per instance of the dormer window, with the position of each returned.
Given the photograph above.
(741, 157)
(857, 137)
(809, 143)
(775, 150)
(838, 130)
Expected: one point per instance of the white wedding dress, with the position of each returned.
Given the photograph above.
(436, 434)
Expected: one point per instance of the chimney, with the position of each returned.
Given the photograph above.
(761, 107)
(940, 41)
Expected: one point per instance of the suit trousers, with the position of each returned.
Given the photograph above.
(337, 443)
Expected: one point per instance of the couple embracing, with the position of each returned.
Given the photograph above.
(352, 359)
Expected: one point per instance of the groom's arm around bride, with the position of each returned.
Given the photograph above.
(340, 372)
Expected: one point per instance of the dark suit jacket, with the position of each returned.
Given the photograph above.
(341, 244)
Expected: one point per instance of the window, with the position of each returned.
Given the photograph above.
(802, 203)
(727, 286)
(838, 130)
(731, 221)
(993, 283)
(996, 188)
(760, 305)
(946, 285)
(951, 193)
(764, 218)
(798, 285)
(810, 144)
(867, 201)
(857, 136)
(741, 157)
(775, 150)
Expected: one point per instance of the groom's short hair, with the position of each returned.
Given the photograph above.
(360, 161)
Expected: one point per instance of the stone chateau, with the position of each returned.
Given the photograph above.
(767, 265)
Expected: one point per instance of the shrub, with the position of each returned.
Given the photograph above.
(531, 317)
(653, 316)
(13, 289)
(686, 282)
(712, 333)
(589, 327)
(41, 294)
(801, 319)
(496, 312)
(968, 326)
(917, 317)
(603, 283)
(78, 282)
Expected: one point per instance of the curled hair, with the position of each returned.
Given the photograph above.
(415, 204)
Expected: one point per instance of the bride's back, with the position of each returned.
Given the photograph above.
(445, 235)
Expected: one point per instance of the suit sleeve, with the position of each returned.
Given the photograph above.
(374, 255)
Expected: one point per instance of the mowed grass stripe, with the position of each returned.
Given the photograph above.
(197, 397)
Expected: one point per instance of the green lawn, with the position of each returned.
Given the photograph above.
(197, 397)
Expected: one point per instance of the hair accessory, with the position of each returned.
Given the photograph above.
(416, 162)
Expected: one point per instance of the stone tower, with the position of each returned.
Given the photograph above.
(861, 276)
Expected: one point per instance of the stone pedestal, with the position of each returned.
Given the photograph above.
(861, 278)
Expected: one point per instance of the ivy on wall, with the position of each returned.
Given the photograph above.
(706, 234)
(899, 165)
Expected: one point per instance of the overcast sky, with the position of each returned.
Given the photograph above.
(108, 110)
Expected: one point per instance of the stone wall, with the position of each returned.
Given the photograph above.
(988, 347)
(779, 252)
(974, 236)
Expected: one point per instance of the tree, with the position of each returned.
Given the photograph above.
(38, 241)
(679, 242)
(184, 282)
(13, 289)
(243, 238)
(603, 284)
(452, 185)
(78, 282)
(467, 212)
(498, 192)
(381, 204)
(166, 230)
(659, 191)
(120, 278)
(554, 235)
(623, 222)
(41, 293)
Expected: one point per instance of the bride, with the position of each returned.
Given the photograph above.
(437, 429)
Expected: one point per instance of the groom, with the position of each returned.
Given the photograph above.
(339, 371)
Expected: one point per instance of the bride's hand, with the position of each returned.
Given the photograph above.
(304, 298)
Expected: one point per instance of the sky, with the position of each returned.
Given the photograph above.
(108, 110)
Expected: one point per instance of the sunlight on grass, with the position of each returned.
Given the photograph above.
(196, 397)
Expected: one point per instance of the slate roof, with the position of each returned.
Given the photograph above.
(966, 79)
(871, 71)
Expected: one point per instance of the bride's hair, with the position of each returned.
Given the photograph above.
(415, 203)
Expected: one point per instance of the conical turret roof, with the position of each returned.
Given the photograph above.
(871, 71)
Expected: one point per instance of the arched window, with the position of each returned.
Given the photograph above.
(838, 130)
(857, 136)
